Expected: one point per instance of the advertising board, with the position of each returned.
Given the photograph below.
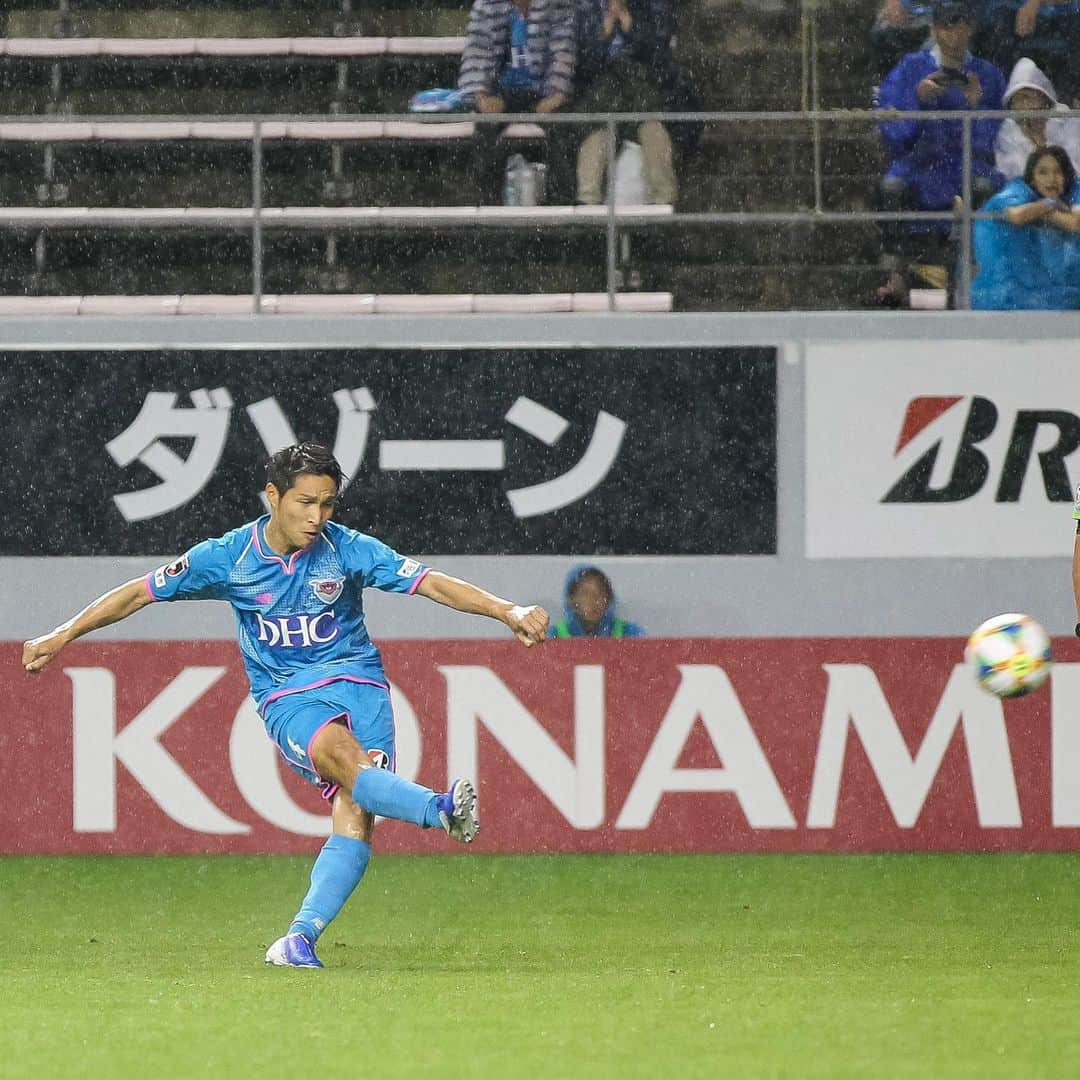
(941, 449)
(479, 452)
(695, 745)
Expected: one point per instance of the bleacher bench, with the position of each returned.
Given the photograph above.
(321, 304)
(304, 217)
(334, 47)
(243, 131)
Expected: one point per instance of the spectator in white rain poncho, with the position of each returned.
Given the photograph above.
(1029, 88)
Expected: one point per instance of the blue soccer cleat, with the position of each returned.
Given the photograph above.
(457, 811)
(293, 950)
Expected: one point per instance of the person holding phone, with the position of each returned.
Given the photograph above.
(926, 170)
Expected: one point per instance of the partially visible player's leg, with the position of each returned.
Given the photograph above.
(338, 870)
(293, 724)
(350, 820)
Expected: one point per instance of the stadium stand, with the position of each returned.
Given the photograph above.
(305, 60)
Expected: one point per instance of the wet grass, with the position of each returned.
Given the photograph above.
(486, 966)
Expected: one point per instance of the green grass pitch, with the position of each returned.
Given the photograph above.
(581, 966)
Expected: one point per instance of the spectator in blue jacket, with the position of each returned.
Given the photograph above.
(1030, 259)
(589, 608)
(1047, 31)
(519, 57)
(926, 169)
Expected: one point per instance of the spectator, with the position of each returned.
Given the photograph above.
(624, 63)
(901, 26)
(926, 169)
(589, 607)
(519, 57)
(1046, 31)
(1030, 260)
(1030, 89)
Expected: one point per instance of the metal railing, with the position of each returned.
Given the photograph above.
(257, 218)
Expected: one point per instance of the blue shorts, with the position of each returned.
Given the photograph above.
(293, 721)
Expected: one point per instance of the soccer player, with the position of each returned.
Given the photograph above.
(295, 581)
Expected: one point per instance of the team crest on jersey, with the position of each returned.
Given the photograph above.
(328, 589)
(173, 569)
(379, 758)
(407, 568)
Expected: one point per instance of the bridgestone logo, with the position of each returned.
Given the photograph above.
(1054, 431)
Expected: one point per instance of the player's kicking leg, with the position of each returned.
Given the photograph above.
(339, 758)
(457, 811)
(351, 766)
(342, 862)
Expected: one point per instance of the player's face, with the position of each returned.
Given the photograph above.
(589, 600)
(298, 516)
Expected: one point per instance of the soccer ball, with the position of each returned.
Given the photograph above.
(1010, 655)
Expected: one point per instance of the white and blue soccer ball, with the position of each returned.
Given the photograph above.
(1010, 655)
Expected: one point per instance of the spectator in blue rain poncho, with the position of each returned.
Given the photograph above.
(926, 169)
(589, 608)
(1030, 259)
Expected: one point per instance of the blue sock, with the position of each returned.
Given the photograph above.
(389, 795)
(337, 871)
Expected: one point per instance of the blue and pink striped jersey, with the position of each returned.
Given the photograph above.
(301, 619)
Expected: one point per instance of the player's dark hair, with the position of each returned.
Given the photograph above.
(1060, 155)
(304, 459)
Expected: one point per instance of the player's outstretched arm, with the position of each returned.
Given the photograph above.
(115, 605)
(529, 623)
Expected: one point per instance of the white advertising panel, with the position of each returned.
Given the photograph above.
(941, 449)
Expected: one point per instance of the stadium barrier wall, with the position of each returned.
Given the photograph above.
(923, 474)
(898, 358)
(677, 745)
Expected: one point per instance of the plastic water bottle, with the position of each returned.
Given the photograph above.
(513, 186)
